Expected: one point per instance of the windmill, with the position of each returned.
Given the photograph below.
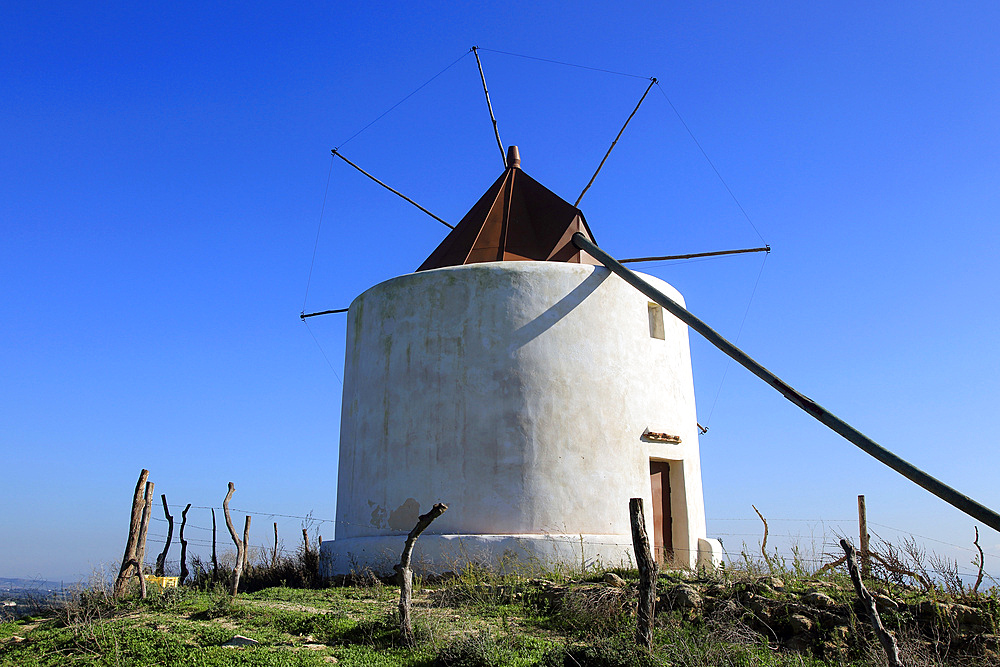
(489, 379)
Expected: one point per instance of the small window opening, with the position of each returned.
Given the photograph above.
(655, 321)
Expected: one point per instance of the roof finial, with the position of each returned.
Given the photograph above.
(513, 158)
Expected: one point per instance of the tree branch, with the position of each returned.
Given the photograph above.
(406, 575)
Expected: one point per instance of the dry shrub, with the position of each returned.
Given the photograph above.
(599, 610)
(297, 570)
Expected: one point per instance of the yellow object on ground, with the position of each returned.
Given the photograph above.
(162, 582)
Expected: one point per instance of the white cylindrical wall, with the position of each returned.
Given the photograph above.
(517, 393)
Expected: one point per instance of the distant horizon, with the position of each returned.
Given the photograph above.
(8, 582)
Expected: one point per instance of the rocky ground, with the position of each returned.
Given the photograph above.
(824, 618)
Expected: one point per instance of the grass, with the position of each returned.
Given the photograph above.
(482, 617)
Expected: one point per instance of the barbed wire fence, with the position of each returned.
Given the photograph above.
(811, 548)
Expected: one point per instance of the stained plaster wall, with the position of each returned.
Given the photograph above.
(517, 393)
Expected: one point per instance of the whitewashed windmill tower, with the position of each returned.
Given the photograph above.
(530, 389)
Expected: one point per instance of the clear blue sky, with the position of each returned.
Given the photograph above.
(164, 168)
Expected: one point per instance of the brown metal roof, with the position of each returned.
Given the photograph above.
(517, 219)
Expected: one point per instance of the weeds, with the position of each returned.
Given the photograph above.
(597, 610)
(265, 570)
(499, 649)
(493, 613)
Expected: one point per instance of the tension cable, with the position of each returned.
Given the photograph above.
(710, 163)
(415, 91)
(560, 62)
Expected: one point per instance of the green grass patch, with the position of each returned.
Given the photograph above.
(481, 618)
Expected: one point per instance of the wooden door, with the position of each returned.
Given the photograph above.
(663, 538)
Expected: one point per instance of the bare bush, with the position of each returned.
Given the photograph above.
(602, 610)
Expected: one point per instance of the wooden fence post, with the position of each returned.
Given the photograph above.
(406, 574)
(246, 545)
(274, 554)
(147, 510)
(763, 544)
(184, 544)
(866, 562)
(238, 567)
(647, 576)
(140, 546)
(979, 577)
(162, 558)
(131, 544)
(215, 561)
(887, 640)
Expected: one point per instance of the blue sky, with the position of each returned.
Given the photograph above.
(164, 173)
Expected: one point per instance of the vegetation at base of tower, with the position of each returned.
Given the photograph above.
(767, 612)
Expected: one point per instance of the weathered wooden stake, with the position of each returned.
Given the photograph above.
(147, 510)
(184, 544)
(215, 561)
(131, 544)
(274, 554)
(884, 636)
(406, 574)
(305, 539)
(238, 567)
(866, 561)
(647, 575)
(246, 545)
(979, 577)
(763, 544)
(162, 558)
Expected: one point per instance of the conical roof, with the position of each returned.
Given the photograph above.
(517, 219)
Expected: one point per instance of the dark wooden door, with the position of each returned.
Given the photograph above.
(663, 538)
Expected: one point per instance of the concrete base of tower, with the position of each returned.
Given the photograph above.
(527, 554)
(710, 554)
(437, 554)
